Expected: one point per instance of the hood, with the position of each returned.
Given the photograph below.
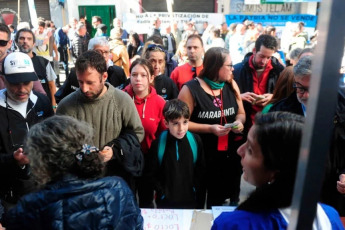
(129, 89)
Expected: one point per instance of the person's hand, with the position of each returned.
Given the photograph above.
(341, 184)
(220, 130)
(2, 228)
(106, 153)
(56, 58)
(49, 33)
(263, 102)
(248, 96)
(239, 127)
(20, 157)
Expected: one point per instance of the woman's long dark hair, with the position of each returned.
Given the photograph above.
(214, 59)
(132, 50)
(279, 136)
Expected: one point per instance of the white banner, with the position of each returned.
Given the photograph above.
(252, 2)
(142, 23)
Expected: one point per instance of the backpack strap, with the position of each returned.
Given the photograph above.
(161, 145)
(193, 145)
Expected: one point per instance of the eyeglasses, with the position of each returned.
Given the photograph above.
(230, 65)
(155, 47)
(300, 89)
(103, 52)
(3, 42)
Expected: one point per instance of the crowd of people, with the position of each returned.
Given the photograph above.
(172, 122)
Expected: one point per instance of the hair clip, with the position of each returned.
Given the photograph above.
(86, 149)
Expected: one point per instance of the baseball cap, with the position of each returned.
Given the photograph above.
(17, 68)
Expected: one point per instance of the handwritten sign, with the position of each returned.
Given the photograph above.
(167, 219)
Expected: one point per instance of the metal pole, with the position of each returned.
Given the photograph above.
(18, 14)
(320, 113)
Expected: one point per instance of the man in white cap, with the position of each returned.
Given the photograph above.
(20, 108)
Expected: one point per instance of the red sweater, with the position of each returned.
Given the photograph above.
(259, 83)
(150, 110)
(184, 73)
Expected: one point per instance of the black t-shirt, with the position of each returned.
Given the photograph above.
(207, 111)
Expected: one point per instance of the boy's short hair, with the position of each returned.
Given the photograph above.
(175, 109)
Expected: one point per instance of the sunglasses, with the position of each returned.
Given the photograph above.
(155, 47)
(3, 42)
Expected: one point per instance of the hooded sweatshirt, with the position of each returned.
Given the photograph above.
(150, 110)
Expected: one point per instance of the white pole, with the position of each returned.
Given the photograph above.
(18, 13)
(33, 13)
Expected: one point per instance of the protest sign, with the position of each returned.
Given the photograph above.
(142, 23)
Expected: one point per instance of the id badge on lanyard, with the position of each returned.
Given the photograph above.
(223, 142)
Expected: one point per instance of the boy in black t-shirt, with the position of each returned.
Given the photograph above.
(176, 162)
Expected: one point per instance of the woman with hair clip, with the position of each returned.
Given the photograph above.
(150, 109)
(217, 115)
(269, 159)
(73, 196)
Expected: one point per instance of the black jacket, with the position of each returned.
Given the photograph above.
(178, 182)
(128, 160)
(13, 129)
(166, 42)
(79, 44)
(72, 203)
(244, 78)
(289, 104)
(40, 66)
(116, 77)
(165, 87)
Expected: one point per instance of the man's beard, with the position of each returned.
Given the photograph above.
(28, 50)
(301, 101)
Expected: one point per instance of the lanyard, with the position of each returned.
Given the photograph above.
(220, 106)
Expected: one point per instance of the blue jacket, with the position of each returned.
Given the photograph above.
(71, 203)
(273, 220)
(61, 38)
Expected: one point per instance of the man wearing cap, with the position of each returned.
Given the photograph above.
(20, 108)
(5, 45)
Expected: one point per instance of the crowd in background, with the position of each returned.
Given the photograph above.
(168, 120)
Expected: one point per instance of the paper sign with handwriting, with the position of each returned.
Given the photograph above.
(166, 219)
